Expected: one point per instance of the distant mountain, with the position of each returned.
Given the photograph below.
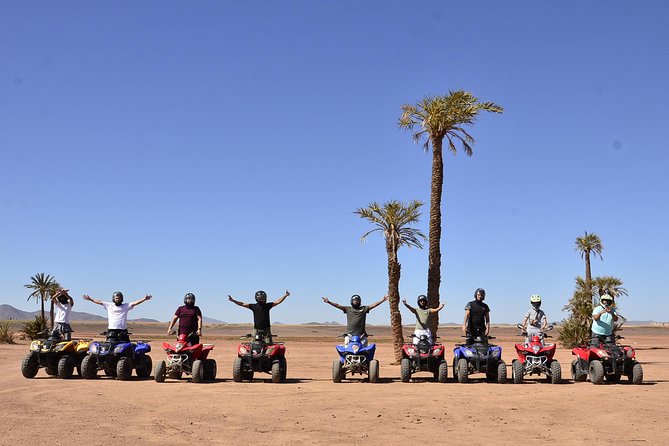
(209, 320)
(322, 323)
(8, 312)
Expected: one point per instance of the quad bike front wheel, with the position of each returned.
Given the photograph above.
(556, 372)
(143, 369)
(209, 369)
(577, 375)
(160, 371)
(517, 371)
(198, 371)
(30, 365)
(405, 370)
(443, 372)
(337, 371)
(124, 369)
(374, 371)
(501, 372)
(65, 367)
(237, 370)
(276, 371)
(462, 371)
(89, 367)
(637, 374)
(596, 371)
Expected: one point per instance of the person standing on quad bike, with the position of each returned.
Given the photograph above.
(63, 304)
(117, 313)
(603, 317)
(190, 320)
(261, 323)
(423, 315)
(535, 319)
(477, 317)
(356, 316)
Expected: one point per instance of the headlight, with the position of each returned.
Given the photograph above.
(119, 349)
(602, 354)
(495, 353)
(355, 348)
(94, 348)
(437, 351)
(34, 346)
(469, 353)
(243, 350)
(630, 353)
(411, 351)
(536, 348)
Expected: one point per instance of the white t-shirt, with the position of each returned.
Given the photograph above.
(62, 313)
(117, 315)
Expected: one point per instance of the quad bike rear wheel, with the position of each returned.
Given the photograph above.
(284, 368)
(556, 372)
(143, 369)
(89, 367)
(30, 365)
(577, 375)
(237, 370)
(276, 371)
(462, 372)
(517, 371)
(160, 371)
(374, 371)
(209, 369)
(596, 371)
(124, 369)
(443, 372)
(405, 370)
(337, 371)
(198, 371)
(65, 367)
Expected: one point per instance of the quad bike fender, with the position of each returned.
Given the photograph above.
(142, 347)
(275, 350)
(581, 353)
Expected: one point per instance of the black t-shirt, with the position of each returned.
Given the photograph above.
(261, 315)
(188, 318)
(477, 311)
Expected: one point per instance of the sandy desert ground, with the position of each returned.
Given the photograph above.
(310, 409)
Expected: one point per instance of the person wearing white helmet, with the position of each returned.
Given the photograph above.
(535, 319)
(603, 317)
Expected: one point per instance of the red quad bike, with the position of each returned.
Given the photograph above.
(186, 358)
(424, 356)
(259, 356)
(536, 357)
(609, 360)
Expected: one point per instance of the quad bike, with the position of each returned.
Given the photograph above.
(355, 357)
(58, 357)
(609, 360)
(536, 357)
(187, 358)
(259, 356)
(424, 356)
(477, 356)
(117, 356)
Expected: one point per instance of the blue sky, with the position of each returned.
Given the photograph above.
(221, 148)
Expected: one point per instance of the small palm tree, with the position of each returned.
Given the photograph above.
(43, 287)
(436, 118)
(394, 220)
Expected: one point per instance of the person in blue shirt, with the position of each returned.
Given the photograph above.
(603, 317)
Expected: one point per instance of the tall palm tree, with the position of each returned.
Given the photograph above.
(586, 245)
(394, 220)
(42, 286)
(436, 118)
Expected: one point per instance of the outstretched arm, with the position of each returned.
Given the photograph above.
(143, 299)
(436, 310)
(281, 299)
(376, 304)
(234, 301)
(412, 309)
(334, 304)
(90, 299)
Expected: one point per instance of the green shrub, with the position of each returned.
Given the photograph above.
(6, 335)
(33, 329)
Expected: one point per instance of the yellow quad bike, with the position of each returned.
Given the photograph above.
(58, 357)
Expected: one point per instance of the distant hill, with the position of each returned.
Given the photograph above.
(322, 323)
(8, 312)
(209, 320)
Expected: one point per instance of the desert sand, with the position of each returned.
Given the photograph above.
(310, 409)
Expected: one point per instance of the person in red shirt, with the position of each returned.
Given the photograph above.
(190, 320)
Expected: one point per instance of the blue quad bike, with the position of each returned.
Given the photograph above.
(355, 357)
(117, 356)
(478, 356)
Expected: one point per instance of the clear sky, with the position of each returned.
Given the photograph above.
(221, 147)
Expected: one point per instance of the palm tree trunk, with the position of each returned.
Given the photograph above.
(51, 314)
(41, 299)
(434, 237)
(394, 302)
